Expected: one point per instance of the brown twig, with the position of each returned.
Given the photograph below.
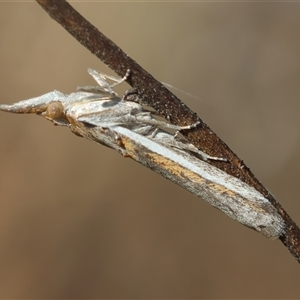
(154, 94)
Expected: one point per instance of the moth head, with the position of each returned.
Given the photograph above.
(55, 113)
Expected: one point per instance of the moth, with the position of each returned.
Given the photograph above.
(98, 114)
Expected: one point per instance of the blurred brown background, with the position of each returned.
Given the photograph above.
(80, 221)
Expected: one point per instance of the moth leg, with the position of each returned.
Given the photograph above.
(169, 141)
(182, 144)
(116, 79)
(143, 118)
(104, 86)
(155, 132)
(172, 140)
(192, 148)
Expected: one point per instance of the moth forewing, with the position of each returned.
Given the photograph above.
(235, 198)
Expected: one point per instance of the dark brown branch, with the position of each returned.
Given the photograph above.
(154, 94)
